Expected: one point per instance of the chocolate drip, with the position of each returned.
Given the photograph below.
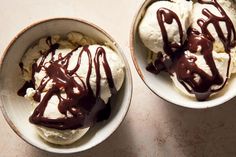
(101, 52)
(158, 65)
(175, 60)
(22, 90)
(84, 106)
(230, 40)
(190, 75)
(165, 15)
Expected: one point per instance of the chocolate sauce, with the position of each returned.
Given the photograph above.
(22, 90)
(167, 16)
(175, 60)
(158, 65)
(84, 106)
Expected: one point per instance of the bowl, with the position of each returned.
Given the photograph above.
(161, 84)
(17, 110)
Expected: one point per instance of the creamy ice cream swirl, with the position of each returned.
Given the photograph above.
(77, 80)
(79, 99)
(175, 60)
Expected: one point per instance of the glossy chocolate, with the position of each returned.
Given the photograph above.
(85, 106)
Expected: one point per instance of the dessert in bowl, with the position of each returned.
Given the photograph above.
(185, 50)
(76, 82)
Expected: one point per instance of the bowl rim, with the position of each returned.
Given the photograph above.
(144, 5)
(128, 77)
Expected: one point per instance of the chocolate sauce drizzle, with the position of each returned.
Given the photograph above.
(194, 79)
(165, 15)
(84, 106)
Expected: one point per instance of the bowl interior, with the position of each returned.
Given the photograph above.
(17, 110)
(161, 84)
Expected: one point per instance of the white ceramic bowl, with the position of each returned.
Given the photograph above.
(17, 110)
(161, 84)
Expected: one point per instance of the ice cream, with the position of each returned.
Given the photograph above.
(150, 32)
(194, 41)
(70, 83)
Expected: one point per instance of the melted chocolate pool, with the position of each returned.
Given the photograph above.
(183, 65)
(84, 106)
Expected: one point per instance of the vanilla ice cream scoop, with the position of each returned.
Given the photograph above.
(200, 64)
(150, 32)
(112, 58)
(202, 12)
(71, 86)
(221, 62)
